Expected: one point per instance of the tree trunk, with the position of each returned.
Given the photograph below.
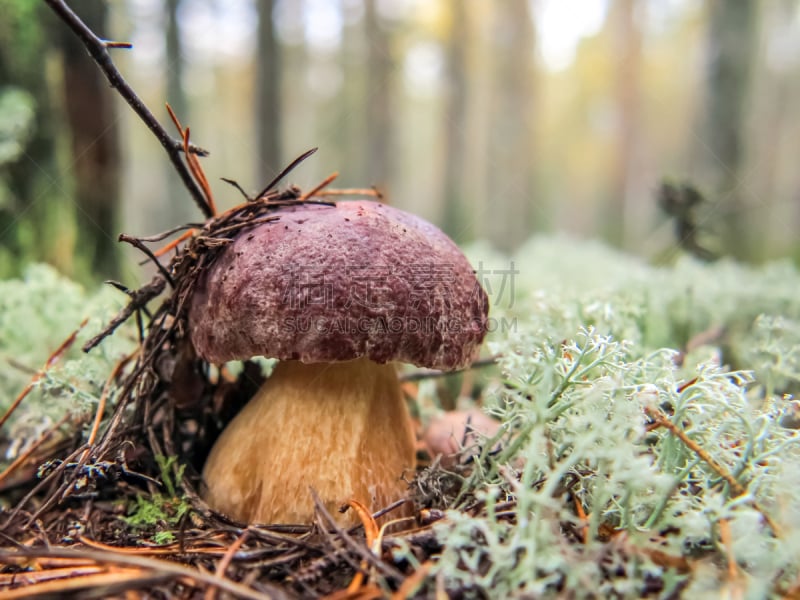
(776, 137)
(174, 209)
(345, 127)
(91, 117)
(510, 158)
(380, 79)
(732, 36)
(176, 96)
(628, 52)
(456, 218)
(268, 94)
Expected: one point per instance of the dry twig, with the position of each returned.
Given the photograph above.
(98, 49)
(737, 489)
(51, 360)
(147, 569)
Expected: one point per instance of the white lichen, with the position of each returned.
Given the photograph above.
(598, 348)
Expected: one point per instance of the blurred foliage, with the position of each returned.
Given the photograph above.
(37, 313)
(21, 52)
(21, 39)
(34, 220)
(593, 133)
(57, 188)
(625, 102)
(573, 283)
(16, 122)
(17, 114)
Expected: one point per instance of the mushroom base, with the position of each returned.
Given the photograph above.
(342, 429)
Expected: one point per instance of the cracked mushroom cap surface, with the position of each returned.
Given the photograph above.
(333, 283)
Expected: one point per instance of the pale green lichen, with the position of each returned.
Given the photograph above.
(37, 313)
(591, 342)
(594, 347)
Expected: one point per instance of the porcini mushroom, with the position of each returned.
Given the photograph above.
(453, 436)
(337, 294)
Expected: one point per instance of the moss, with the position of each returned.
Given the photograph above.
(160, 513)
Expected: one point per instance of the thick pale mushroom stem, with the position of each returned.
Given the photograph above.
(341, 428)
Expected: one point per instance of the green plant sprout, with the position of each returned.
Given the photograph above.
(163, 511)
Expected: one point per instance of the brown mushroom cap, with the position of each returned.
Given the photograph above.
(332, 283)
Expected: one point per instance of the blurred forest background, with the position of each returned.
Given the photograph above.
(494, 119)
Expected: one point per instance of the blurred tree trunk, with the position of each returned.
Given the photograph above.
(628, 54)
(512, 136)
(176, 96)
(268, 94)
(92, 122)
(776, 181)
(299, 128)
(456, 218)
(380, 79)
(732, 37)
(345, 125)
(174, 209)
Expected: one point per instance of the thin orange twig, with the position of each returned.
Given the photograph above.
(583, 517)
(225, 561)
(370, 526)
(168, 550)
(368, 592)
(27, 454)
(727, 542)
(51, 360)
(42, 575)
(412, 582)
(659, 417)
(44, 562)
(737, 489)
(351, 192)
(371, 531)
(193, 162)
(101, 405)
(323, 184)
(197, 171)
(59, 587)
(156, 568)
(174, 243)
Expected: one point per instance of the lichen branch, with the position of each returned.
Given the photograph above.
(51, 360)
(737, 489)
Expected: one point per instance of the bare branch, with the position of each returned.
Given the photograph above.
(98, 49)
(285, 172)
(139, 300)
(139, 245)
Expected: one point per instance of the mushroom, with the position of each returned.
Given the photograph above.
(337, 294)
(453, 436)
